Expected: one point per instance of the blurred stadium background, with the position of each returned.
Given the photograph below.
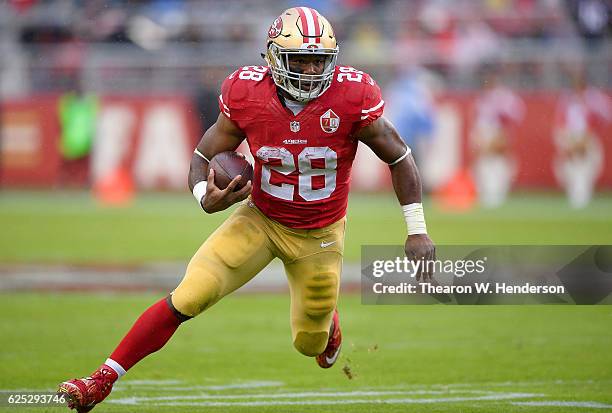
(108, 98)
(102, 102)
(147, 75)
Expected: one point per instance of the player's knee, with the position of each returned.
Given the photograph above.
(319, 307)
(310, 344)
(194, 299)
(320, 295)
(180, 316)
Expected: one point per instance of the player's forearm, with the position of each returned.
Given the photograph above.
(198, 171)
(386, 143)
(222, 136)
(406, 181)
(407, 186)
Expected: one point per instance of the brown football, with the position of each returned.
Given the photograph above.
(227, 166)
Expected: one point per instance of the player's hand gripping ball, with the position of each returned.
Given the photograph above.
(227, 166)
(229, 181)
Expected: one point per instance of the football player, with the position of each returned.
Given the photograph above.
(580, 156)
(498, 110)
(303, 118)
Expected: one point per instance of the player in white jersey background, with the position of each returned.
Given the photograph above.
(579, 154)
(496, 111)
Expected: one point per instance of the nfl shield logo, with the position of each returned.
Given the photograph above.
(294, 126)
(330, 121)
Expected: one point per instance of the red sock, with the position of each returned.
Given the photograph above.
(149, 333)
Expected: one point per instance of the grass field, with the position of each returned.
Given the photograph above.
(238, 356)
(69, 226)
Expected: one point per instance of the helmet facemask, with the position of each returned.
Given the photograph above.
(301, 87)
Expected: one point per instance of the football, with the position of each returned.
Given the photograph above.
(227, 166)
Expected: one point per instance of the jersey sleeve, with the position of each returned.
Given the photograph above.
(242, 93)
(225, 96)
(372, 105)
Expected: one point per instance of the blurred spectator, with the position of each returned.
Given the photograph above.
(368, 41)
(475, 43)
(22, 5)
(410, 107)
(497, 109)
(77, 115)
(438, 25)
(593, 18)
(580, 155)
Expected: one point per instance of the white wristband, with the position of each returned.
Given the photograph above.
(199, 190)
(415, 219)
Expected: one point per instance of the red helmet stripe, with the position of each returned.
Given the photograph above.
(310, 23)
(305, 31)
(317, 26)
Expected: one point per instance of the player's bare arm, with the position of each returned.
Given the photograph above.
(223, 136)
(386, 143)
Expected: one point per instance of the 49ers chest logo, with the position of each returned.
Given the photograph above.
(330, 121)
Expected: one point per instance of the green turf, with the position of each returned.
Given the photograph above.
(557, 353)
(550, 353)
(69, 227)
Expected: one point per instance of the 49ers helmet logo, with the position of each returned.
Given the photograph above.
(330, 121)
(276, 28)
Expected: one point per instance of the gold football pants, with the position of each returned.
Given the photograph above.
(244, 244)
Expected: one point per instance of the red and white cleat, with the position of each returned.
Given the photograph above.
(334, 343)
(83, 394)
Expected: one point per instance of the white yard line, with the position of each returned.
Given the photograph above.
(366, 395)
(313, 398)
(39, 390)
(152, 383)
(130, 400)
(491, 397)
(245, 385)
(171, 385)
(559, 403)
(497, 384)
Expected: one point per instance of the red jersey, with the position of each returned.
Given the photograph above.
(302, 162)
